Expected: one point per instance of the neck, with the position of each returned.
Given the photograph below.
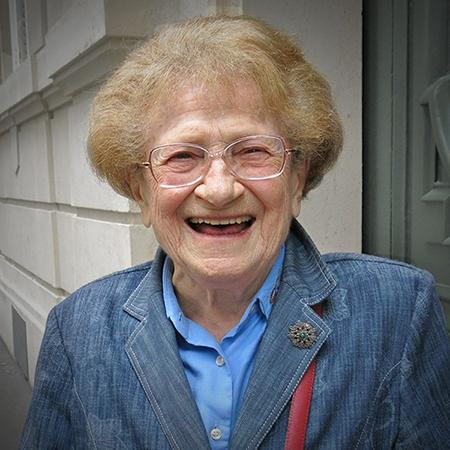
(217, 310)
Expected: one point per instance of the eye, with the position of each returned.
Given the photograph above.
(181, 155)
(252, 152)
(177, 158)
(253, 149)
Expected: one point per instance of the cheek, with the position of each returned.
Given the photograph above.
(166, 205)
(164, 224)
(277, 207)
(297, 183)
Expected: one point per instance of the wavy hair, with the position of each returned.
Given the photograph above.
(218, 53)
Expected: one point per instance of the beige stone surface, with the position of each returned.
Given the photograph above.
(27, 238)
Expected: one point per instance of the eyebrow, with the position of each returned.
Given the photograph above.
(201, 136)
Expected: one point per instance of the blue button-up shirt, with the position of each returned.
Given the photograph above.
(218, 372)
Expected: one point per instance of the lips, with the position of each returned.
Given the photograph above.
(220, 226)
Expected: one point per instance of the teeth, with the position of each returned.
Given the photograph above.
(233, 221)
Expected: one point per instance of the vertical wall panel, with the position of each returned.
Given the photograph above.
(31, 177)
(27, 238)
(60, 147)
(6, 167)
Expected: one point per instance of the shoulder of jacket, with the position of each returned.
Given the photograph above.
(115, 286)
(345, 263)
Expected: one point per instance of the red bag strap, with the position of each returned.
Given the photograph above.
(300, 405)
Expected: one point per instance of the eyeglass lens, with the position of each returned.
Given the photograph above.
(252, 158)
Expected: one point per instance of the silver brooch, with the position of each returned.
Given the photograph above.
(302, 334)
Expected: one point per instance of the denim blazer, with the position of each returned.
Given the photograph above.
(109, 375)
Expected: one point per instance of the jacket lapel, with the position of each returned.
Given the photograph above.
(152, 350)
(278, 370)
(280, 365)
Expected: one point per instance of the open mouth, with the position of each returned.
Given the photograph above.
(220, 227)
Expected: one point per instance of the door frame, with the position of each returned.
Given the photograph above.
(385, 103)
(399, 37)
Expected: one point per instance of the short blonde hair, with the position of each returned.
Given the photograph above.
(217, 52)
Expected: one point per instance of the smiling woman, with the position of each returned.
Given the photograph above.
(213, 261)
(239, 334)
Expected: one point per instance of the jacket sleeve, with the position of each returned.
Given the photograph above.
(48, 422)
(425, 376)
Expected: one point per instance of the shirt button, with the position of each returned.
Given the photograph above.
(220, 361)
(216, 434)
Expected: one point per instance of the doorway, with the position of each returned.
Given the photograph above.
(406, 103)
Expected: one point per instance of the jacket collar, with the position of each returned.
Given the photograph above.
(138, 304)
(304, 269)
(279, 366)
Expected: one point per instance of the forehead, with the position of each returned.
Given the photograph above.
(197, 112)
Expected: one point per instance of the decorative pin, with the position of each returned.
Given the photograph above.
(302, 334)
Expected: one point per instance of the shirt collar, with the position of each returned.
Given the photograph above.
(262, 298)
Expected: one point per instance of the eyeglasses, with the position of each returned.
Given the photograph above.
(249, 158)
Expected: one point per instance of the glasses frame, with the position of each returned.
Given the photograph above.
(219, 154)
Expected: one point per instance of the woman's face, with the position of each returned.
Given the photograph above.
(239, 255)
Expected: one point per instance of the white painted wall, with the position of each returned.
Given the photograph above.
(60, 227)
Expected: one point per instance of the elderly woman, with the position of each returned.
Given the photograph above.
(238, 335)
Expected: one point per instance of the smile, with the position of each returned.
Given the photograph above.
(218, 227)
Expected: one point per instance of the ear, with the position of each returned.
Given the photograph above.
(298, 179)
(140, 190)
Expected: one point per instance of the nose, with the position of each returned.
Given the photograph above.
(219, 187)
